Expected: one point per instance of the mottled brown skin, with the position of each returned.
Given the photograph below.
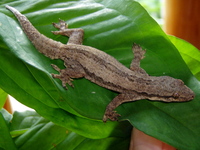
(98, 67)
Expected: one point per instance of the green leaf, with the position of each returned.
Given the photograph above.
(3, 97)
(111, 26)
(35, 132)
(16, 133)
(190, 54)
(76, 142)
(7, 116)
(31, 131)
(6, 141)
(41, 136)
(111, 143)
(24, 120)
(71, 142)
(108, 143)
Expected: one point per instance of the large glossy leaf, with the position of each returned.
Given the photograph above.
(111, 26)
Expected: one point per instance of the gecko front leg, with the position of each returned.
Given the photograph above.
(73, 69)
(63, 76)
(75, 35)
(121, 98)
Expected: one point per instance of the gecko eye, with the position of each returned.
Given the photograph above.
(180, 82)
(176, 83)
(176, 95)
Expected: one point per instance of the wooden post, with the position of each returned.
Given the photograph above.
(8, 106)
(182, 19)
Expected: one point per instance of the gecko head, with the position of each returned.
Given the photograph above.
(178, 92)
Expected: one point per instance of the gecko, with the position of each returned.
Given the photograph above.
(87, 62)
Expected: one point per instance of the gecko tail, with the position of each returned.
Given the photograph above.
(13, 10)
(43, 44)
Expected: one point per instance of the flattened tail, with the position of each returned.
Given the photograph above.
(43, 44)
(13, 10)
(21, 18)
(26, 25)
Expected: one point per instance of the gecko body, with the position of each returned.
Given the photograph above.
(100, 68)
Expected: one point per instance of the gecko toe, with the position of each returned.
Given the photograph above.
(62, 25)
(112, 115)
(65, 80)
(56, 67)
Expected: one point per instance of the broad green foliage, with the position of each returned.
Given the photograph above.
(31, 131)
(111, 26)
(189, 53)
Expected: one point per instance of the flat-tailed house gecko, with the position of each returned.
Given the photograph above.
(102, 69)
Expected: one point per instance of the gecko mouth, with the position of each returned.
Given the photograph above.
(177, 98)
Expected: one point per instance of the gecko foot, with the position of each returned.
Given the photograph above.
(63, 76)
(112, 115)
(61, 25)
(138, 52)
(75, 35)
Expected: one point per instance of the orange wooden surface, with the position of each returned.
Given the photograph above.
(7, 105)
(182, 19)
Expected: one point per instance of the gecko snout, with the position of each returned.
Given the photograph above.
(185, 94)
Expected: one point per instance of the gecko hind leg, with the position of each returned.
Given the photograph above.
(121, 98)
(138, 56)
(75, 35)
